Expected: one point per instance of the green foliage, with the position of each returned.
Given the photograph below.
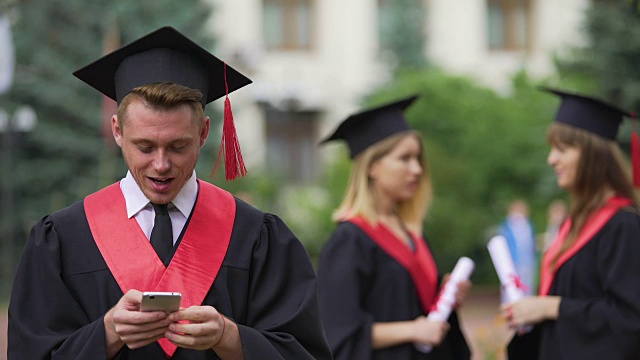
(306, 209)
(255, 188)
(314, 224)
(610, 55)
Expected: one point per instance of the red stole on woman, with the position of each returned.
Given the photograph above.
(419, 263)
(595, 222)
(133, 261)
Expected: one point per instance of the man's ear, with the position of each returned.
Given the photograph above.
(116, 130)
(204, 133)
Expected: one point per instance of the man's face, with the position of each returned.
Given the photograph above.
(160, 148)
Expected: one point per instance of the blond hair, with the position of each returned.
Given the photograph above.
(163, 96)
(360, 199)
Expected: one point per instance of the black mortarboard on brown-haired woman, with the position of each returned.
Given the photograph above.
(598, 117)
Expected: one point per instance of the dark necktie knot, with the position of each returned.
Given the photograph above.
(162, 234)
(161, 209)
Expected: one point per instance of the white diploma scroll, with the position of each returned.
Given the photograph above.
(447, 299)
(509, 279)
(503, 263)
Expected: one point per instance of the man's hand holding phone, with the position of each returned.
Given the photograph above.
(126, 324)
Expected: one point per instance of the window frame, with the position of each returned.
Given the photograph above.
(510, 24)
(291, 26)
(289, 129)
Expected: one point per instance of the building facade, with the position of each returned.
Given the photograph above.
(312, 61)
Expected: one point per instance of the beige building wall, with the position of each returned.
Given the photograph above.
(457, 39)
(331, 77)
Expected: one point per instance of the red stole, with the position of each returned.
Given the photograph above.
(419, 264)
(592, 226)
(135, 265)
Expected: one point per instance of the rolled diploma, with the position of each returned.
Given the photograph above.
(447, 299)
(503, 263)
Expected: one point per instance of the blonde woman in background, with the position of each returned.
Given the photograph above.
(377, 276)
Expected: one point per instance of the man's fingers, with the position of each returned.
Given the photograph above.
(147, 333)
(138, 317)
(196, 314)
(195, 329)
(134, 295)
(131, 300)
(135, 342)
(188, 341)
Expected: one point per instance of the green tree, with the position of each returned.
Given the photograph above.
(65, 158)
(610, 55)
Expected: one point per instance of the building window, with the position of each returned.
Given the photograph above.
(401, 36)
(287, 24)
(291, 144)
(508, 24)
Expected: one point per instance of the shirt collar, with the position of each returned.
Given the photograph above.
(186, 198)
(136, 200)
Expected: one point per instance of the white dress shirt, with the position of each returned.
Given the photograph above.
(139, 206)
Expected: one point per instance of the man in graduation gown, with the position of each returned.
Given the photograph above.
(248, 287)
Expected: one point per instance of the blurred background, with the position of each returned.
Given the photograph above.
(476, 65)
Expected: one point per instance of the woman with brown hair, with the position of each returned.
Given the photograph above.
(589, 301)
(377, 277)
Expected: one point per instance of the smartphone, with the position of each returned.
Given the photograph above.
(160, 301)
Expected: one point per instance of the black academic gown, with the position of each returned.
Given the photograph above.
(599, 315)
(63, 288)
(360, 284)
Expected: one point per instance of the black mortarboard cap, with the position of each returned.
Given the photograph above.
(598, 117)
(589, 113)
(164, 55)
(366, 128)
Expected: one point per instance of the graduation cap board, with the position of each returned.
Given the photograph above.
(166, 55)
(598, 117)
(589, 113)
(366, 128)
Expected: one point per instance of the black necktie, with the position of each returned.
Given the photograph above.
(162, 235)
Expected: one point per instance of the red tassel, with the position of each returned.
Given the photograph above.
(635, 153)
(229, 145)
